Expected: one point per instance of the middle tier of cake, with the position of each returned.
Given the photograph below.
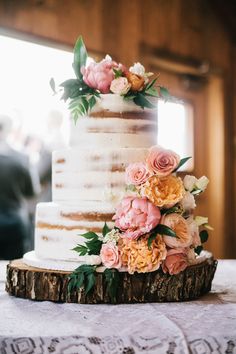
(89, 175)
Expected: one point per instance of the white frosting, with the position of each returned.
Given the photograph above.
(33, 260)
(90, 178)
(90, 175)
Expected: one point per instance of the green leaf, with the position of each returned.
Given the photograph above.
(198, 249)
(140, 100)
(152, 92)
(105, 229)
(203, 236)
(52, 85)
(175, 209)
(83, 276)
(164, 93)
(182, 162)
(150, 84)
(81, 249)
(90, 235)
(112, 279)
(92, 101)
(117, 72)
(85, 104)
(80, 57)
(90, 282)
(150, 239)
(165, 230)
(131, 187)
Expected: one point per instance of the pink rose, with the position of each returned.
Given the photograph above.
(176, 261)
(100, 75)
(136, 217)
(162, 162)
(110, 255)
(178, 224)
(136, 173)
(120, 86)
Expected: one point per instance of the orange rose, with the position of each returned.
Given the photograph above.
(136, 81)
(138, 257)
(164, 191)
(181, 227)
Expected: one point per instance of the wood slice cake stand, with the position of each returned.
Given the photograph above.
(41, 284)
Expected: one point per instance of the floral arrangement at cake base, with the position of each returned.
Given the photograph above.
(155, 227)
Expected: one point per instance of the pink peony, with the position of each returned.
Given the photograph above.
(110, 255)
(120, 86)
(136, 217)
(176, 261)
(178, 224)
(162, 162)
(100, 75)
(137, 173)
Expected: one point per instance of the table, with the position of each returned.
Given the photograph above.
(207, 325)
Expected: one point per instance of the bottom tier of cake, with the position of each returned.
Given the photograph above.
(51, 285)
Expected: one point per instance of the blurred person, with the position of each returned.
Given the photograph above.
(55, 141)
(16, 185)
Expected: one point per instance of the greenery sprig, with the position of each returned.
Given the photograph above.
(94, 243)
(203, 237)
(82, 277)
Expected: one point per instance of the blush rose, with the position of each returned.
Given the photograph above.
(136, 216)
(178, 224)
(162, 162)
(110, 255)
(176, 261)
(136, 173)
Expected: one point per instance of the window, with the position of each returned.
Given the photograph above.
(175, 129)
(26, 69)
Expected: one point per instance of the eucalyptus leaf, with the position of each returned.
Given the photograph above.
(80, 57)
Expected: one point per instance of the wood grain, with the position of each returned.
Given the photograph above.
(45, 285)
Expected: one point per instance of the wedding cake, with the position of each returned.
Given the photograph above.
(118, 205)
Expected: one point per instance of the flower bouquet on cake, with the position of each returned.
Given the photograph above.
(155, 228)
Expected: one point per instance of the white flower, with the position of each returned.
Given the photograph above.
(202, 183)
(108, 57)
(112, 236)
(188, 201)
(201, 220)
(137, 69)
(120, 86)
(189, 182)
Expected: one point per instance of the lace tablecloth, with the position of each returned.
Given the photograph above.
(200, 327)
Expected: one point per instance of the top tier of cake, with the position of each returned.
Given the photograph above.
(115, 123)
(116, 133)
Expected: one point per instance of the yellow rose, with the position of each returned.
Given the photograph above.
(138, 257)
(164, 191)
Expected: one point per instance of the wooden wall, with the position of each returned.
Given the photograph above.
(125, 29)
